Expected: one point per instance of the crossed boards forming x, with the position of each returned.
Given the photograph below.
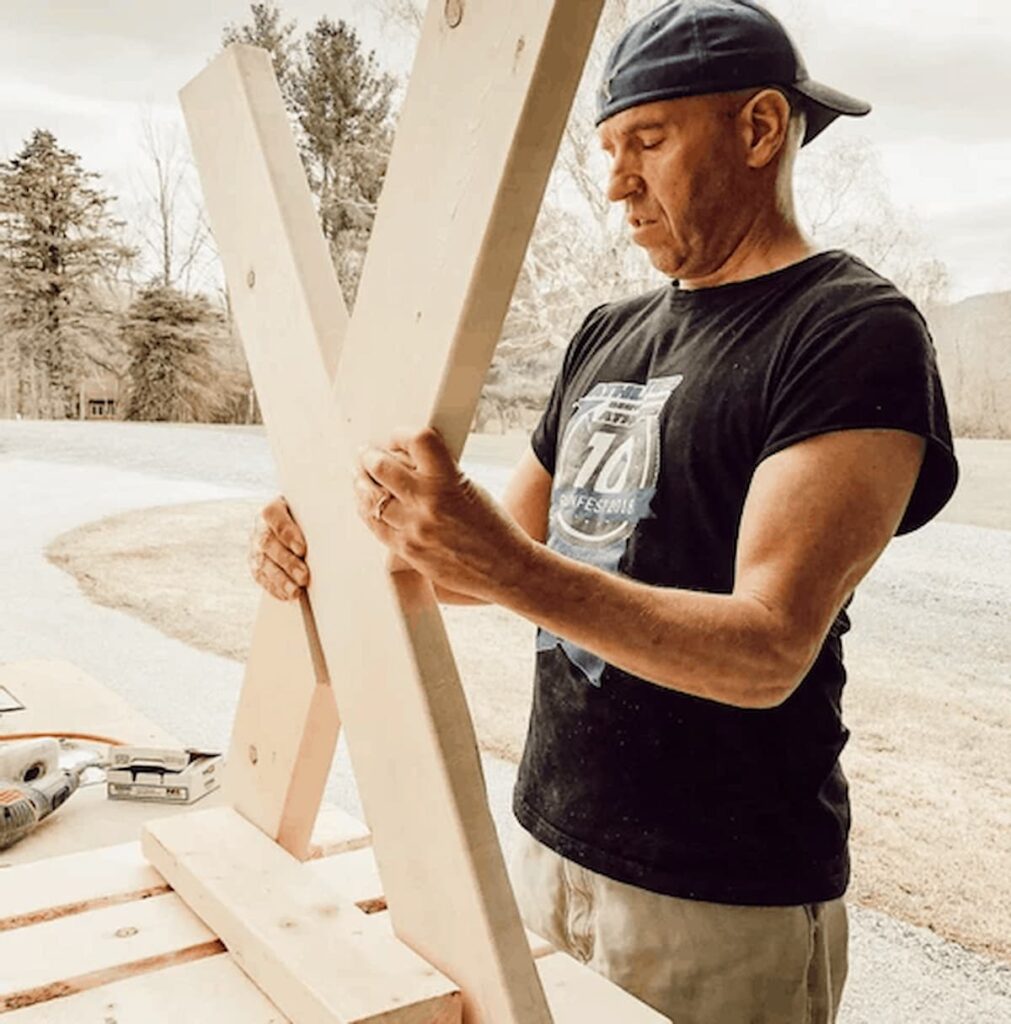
(491, 88)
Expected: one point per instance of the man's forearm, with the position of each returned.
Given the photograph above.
(729, 648)
(446, 596)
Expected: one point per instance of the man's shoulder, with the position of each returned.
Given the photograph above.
(843, 286)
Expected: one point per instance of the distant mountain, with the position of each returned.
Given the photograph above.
(973, 340)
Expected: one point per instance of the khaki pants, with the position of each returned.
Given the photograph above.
(697, 963)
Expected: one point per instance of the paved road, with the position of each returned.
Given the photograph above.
(55, 476)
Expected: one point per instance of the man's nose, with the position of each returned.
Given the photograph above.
(622, 184)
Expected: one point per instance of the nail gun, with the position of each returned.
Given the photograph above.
(33, 784)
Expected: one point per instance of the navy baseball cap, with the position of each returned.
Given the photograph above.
(696, 47)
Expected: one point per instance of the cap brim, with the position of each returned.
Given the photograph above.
(824, 105)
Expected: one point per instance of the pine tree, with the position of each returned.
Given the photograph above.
(340, 103)
(344, 111)
(277, 37)
(177, 369)
(58, 245)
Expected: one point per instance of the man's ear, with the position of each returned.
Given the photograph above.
(765, 122)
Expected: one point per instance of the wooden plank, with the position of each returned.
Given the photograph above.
(208, 991)
(355, 875)
(476, 140)
(75, 882)
(69, 884)
(317, 956)
(286, 711)
(337, 831)
(286, 727)
(470, 185)
(72, 954)
(578, 995)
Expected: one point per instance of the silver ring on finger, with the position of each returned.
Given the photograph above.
(377, 512)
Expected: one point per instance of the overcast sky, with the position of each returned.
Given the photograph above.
(937, 74)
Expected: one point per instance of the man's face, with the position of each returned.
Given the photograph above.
(677, 167)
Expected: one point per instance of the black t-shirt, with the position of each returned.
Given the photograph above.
(664, 407)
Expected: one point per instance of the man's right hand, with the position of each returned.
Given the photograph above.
(277, 551)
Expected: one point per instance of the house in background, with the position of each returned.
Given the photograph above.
(98, 399)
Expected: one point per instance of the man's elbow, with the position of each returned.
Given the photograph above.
(789, 651)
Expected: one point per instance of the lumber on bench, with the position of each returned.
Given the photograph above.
(318, 956)
(129, 947)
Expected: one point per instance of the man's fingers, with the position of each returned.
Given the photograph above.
(423, 451)
(296, 570)
(387, 470)
(282, 525)
(275, 580)
(430, 454)
(380, 527)
(400, 445)
(369, 496)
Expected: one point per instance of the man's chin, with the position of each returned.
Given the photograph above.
(665, 261)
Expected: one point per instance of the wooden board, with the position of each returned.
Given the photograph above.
(462, 191)
(320, 958)
(60, 886)
(208, 991)
(286, 727)
(86, 950)
(355, 875)
(578, 995)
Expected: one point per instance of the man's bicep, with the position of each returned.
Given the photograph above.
(527, 496)
(816, 518)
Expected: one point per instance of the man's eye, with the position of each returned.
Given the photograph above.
(650, 143)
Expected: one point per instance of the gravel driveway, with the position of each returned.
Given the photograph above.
(55, 476)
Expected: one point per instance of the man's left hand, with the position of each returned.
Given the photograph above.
(436, 519)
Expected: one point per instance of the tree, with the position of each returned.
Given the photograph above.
(171, 223)
(58, 246)
(843, 201)
(343, 100)
(339, 100)
(177, 368)
(277, 37)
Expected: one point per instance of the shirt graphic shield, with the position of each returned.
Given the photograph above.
(605, 478)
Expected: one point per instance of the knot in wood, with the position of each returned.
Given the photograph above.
(254, 754)
(454, 12)
(125, 933)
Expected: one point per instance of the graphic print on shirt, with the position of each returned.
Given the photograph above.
(605, 478)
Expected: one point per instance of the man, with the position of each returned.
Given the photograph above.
(720, 463)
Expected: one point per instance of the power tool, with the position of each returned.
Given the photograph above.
(33, 784)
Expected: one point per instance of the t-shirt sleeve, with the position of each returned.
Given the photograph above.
(544, 439)
(875, 368)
